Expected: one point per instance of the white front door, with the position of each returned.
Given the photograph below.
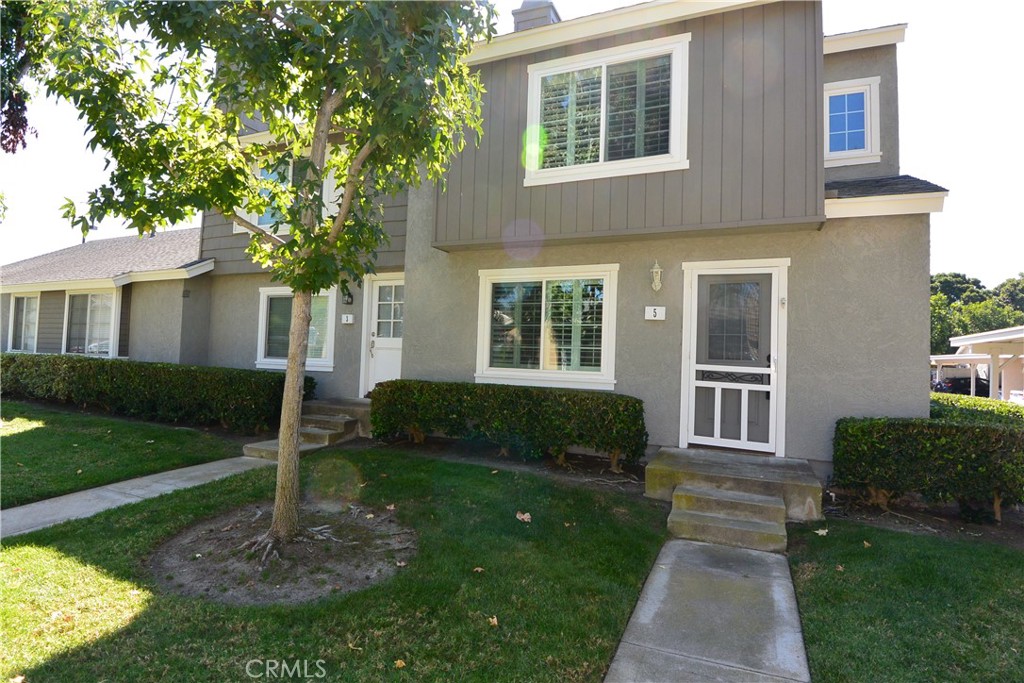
(385, 317)
(734, 356)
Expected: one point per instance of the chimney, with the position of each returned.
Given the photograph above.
(535, 13)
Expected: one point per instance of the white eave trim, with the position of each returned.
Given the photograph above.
(885, 205)
(860, 40)
(1008, 334)
(168, 274)
(110, 283)
(599, 25)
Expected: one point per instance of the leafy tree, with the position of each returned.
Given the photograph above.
(1011, 292)
(15, 62)
(959, 287)
(984, 316)
(943, 324)
(377, 95)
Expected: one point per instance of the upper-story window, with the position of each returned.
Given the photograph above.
(614, 112)
(284, 172)
(852, 128)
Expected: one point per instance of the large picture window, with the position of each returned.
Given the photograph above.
(89, 324)
(275, 322)
(24, 319)
(613, 112)
(548, 326)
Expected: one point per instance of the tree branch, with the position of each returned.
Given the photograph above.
(267, 237)
(350, 189)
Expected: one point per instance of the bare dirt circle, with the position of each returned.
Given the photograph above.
(342, 548)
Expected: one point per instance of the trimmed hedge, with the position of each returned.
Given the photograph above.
(529, 420)
(939, 459)
(240, 400)
(976, 410)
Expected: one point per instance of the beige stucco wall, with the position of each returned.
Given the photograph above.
(156, 321)
(857, 316)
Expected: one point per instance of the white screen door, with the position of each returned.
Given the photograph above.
(386, 320)
(731, 369)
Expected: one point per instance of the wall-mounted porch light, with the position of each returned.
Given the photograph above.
(656, 276)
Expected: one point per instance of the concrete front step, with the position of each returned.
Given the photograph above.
(325, 437)
(727, 530)
(790, 479)
(338, 423)
(268, 449)
(737, 504)
(357, 408)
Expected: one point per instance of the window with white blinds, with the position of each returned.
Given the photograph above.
(548, 326)
(275, 323)
(24, 323)
(89, 324)
(613, 112)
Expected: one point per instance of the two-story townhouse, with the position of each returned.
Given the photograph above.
(698, 204)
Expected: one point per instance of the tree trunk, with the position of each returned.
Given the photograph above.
(286, 498)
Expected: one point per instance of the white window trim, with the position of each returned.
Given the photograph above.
(677, 47)
(10, 325)
(115, 321)
(605, 379)
(325, 364)
(331, 191)
(872, 122)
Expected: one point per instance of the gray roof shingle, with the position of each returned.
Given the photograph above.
(104, 259)
(876, 187)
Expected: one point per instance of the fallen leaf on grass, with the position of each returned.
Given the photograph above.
(391, 508)
(78, 472)
(385, 476)
(150, 441)
(351, 646)
(493, 621)
(494, 471)
(840, 568)
(19, 465)
(524, 517)
(866, 544)
(400, 564)
(478, 570)
(369, 515)
(18, 679)
(399, 663)
(821, 532)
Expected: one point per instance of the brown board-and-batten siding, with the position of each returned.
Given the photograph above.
(227, 247)
(754, 144)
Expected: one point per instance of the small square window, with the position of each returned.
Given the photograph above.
(852, 127)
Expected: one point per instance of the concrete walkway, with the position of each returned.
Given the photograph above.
(713, 613)
(44, 513)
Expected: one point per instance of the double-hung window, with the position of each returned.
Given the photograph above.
(852, 122)
(613, 112)
(548, 326)
(90, 323)
(24, 323)
(275, 322)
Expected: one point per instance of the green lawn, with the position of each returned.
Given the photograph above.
(75, 603)
(905, 607)
(49, 452)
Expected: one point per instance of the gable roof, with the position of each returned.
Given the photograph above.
(169, 255)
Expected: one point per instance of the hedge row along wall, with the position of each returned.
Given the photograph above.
(529, 420)
(941, 459)
(240, 400)
(976, 410)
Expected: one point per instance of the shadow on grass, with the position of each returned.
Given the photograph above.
(562, 586)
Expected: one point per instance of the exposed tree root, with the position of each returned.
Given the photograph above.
(265, 544)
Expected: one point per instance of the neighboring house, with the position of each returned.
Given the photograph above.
(1000, 352)
(699, 207)
(143, 298)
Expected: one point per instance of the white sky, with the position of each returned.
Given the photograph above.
(958, 128)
